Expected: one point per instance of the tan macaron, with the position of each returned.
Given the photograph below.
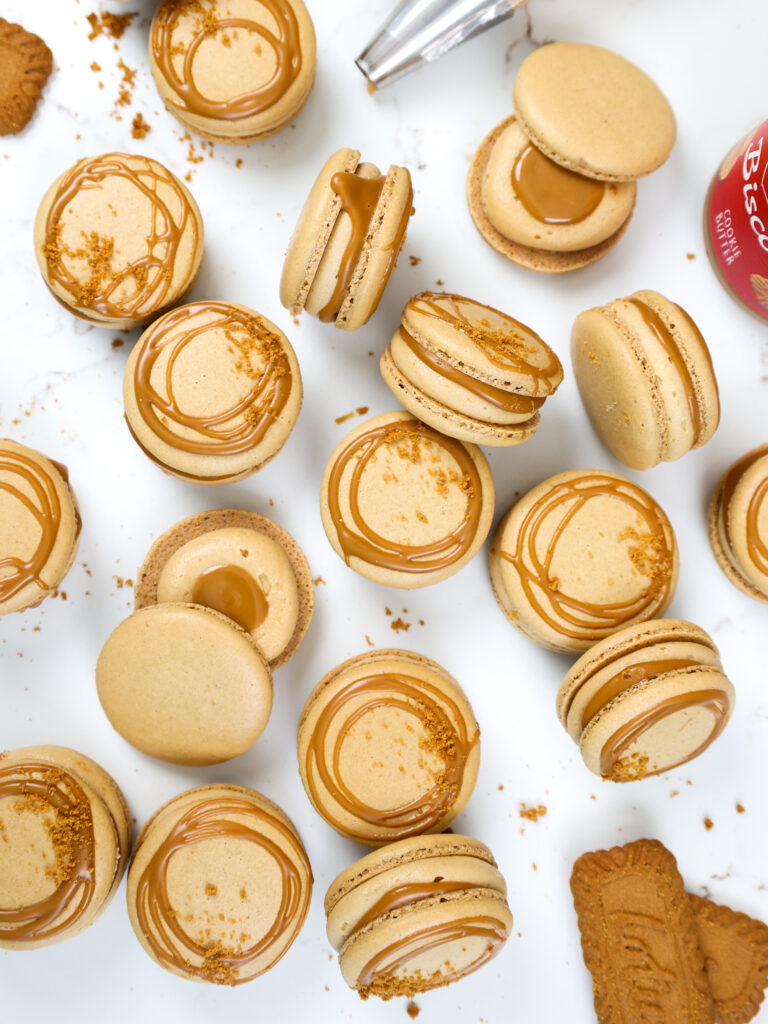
(219, 885)
(184, 684)
(233, 70)
(580, 556)
(646, 379)
(118, 239)
(469, 370)
(403, 504)
(39, 526)
(211, 391)
(647, 699)
(66, 838)
(417, 914)
(738, 523)
(346, 241)
(240, 564)
(388, 747)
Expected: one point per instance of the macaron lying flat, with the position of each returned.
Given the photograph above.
(469, 370)
(240, 564)
(388, 747)
(417, 914)
(645, 700)
(211, 391)
(66, 839)
(403, 504)
(346, 241)
(646, 379)
(233, 70)
(219, 885)
(580, 556)
(738, 523)
(185, 684)
(39, 526)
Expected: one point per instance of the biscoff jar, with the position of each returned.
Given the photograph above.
(736, 222)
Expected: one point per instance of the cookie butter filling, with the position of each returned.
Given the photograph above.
(234, 592)
(551, 193)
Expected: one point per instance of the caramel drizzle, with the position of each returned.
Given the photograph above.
(255, 412)
(159, 921)
(45, 509)
(74, 847)
(583, 620)
(553, 194)
(286, 47)
(640, 672)
(153, 273)
(410, 892)
(370, 546)
(437, 714)
(234, 592)
(756, 546)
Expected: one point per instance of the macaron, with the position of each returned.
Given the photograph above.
(388, 747)
(582, 555)
(647, 699)
(219, 885)
(118, 239)
(240, 564)
(469, 370)
(416, 915)
(347, 240)
(39, 526)
(738, 523)
(185, 684)
(211, 391)
(646, 379)
(403, 504)
(233, 70)
(65, 839)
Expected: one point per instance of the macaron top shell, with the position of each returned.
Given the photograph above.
(593, 111)
(739, 523)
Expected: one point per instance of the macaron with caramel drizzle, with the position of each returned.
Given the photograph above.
(346, 241)
(39, 526)
(388, 747)
(645, 700)
(738, 523)
(233, 71)
(240, 564)
(212, 390)
(403, 504)
(646, 379)
(417, 914)
(469, 370)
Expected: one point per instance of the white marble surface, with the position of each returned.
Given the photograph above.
(60, 391)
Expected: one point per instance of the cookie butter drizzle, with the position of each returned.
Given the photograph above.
(153, 273)
(233, 591)
(160, 922)
(407, 894)
(652, 557)
(551, 193)
(406, 437)
(756, 546)
(40, 789)
(446, 736)
(632, 675)
(232, 431)
(286, 47)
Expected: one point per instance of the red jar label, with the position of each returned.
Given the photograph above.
(736, 220)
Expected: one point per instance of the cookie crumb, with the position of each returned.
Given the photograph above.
(413, 1009)
(532, 813)
(399, 626)
(740, 808)
(116, 343)
(415, 260)
(139, 127)
(112, 25)
(318, 580)
(690, 255)
(708, 824)
(369, 641)
(439, 283)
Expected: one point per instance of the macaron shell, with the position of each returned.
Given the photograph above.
(738, 523)
(593, 111)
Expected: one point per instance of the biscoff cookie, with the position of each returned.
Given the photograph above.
(25, 66)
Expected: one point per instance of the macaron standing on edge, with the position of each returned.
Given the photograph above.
(738, 523)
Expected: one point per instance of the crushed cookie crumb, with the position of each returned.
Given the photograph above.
(139, 127)
(369, 641)
(111, 25)
(318, 581)
(740, 808)
(708, 824)
(412, 1009)
(415, 260)
(399, 626)
(531, 813)
(116, 343)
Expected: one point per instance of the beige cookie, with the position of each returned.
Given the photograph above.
(26, 64)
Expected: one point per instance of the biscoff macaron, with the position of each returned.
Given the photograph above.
(469, 370)
(738, 523)
(185, 684)
(118, 239)
(403, 504)
(211, 392)
(233, 70)
(388, 747)
(649, 698)
(219, 885)
(347, 240)
(416, 915)
(39, 526)
(646, 379)
(240, 564)
(66, 838)
(580, 556)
